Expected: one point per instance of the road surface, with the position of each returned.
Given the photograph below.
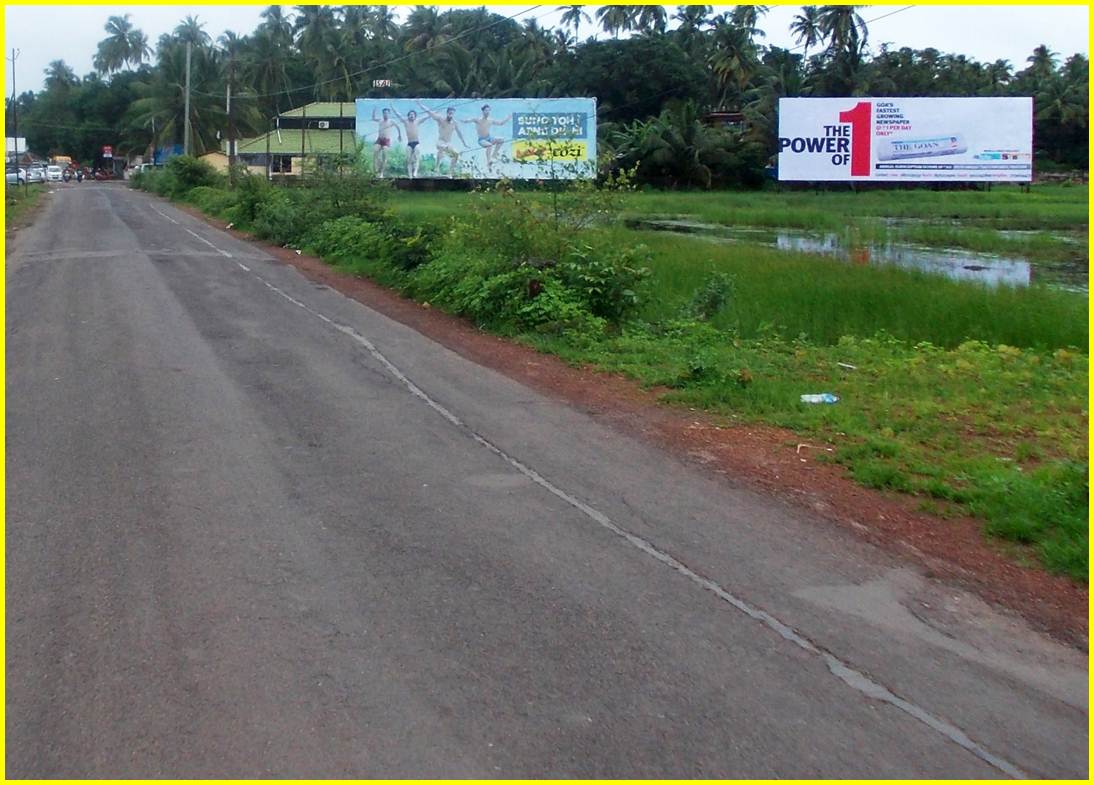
(256, 529)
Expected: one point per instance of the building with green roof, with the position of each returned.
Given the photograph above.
(301, 138)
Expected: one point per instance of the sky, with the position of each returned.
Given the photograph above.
(986, 33)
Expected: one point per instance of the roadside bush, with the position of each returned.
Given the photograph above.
(185, 172)
(214, 201)
(349, 238)
(280, 219)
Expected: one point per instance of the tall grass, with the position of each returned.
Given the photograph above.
(823, 299)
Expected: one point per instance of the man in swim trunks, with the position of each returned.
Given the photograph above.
(486, 140)
(383, 140)
(410, 123)
(445, 126)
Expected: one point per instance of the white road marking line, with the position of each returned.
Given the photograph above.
(165, 215)
(841, 670)
(218, 250)
(243, 267)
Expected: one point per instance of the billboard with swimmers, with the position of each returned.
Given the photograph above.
(478, 138)
(906, 139)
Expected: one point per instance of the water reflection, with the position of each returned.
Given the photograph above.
(953, 263)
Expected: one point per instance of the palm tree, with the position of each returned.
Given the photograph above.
(1042, 63)
(615, 19)
(277, 23)
(650, 18)
(59, 76)
(748, 16)
(162, 99)
(425, 28)
(573, 16)
(190, 30)
(692, 19)
(806, 29)
(266, 67)
(124, 44)
(843, 28)
(383, 23)
(733, 59)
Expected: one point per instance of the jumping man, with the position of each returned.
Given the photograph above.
(411, 126)
(486, 141)
(445, 126)
(383, 140)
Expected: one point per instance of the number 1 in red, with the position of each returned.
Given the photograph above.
(859, 118)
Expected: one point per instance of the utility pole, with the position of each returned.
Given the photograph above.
(186, 121)
(231, 147)
(15, 122)
(303, 123)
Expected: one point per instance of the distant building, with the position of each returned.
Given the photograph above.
(302, 138)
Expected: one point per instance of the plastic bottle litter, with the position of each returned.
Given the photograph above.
(820, 398)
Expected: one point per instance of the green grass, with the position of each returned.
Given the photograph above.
(824, 300)
(1052, 207)
(997, 432)
(950, 219)
(19, 204)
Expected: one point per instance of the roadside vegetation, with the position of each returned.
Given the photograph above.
(970, 398)
(19, 204)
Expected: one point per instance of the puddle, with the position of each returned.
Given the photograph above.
(954, 263)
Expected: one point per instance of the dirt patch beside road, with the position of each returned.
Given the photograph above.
(774, 459)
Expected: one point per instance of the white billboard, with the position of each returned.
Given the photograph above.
(906, 139)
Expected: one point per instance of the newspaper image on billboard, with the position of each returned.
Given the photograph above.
(483, 138)
(906, 139)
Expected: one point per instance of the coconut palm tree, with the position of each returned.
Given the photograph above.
(124, 45)
(843, 28)
(733, 58)
(266, 67)
(425, 28)
(277, 23)
(650, 19)
(59, 76)
(615, 19)
(190, 30)
(573, 17)
(161, 99)
(748, 17)
(806, 29)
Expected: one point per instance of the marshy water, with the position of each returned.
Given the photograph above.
(959, 264)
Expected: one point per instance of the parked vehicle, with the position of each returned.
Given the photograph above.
(36, 174)
(15, 176)
(54, 173)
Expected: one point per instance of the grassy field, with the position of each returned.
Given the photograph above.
(18, 203)
(1051, 220)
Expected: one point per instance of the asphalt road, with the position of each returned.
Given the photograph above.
(257, 529)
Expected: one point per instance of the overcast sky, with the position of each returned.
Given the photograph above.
(50, 32)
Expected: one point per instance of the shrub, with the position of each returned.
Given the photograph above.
(185, 172)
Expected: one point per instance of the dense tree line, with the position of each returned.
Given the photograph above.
(653, 84)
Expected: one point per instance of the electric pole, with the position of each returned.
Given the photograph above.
(186, 121)
(15, 122)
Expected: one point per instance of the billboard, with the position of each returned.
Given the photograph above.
(906, 139)
(481, 138)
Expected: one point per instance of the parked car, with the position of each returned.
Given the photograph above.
(36, 174)
(55, 173)
(15, 176)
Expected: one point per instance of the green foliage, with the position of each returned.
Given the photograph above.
(677, 149)
(711, 297)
